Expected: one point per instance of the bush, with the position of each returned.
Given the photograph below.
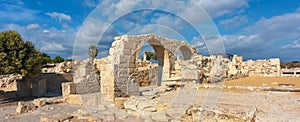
(58, 59)
(18, 56)
(46, 59)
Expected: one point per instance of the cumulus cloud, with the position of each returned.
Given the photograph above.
(234, 22)
(277, 27)
(59, 16)
(264, 38)
(52, 47)
(49, 40)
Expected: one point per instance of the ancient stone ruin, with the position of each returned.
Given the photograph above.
(140, 87)
(122, 73)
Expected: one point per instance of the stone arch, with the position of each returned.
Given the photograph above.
(187, 51)
(163, 53)
(124, 53)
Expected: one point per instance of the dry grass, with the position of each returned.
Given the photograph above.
(266, 81)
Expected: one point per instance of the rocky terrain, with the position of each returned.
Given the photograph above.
(232, 105)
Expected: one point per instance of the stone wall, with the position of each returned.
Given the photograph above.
(144, 74)
(106, 77)
(267, 67)
(215, 68)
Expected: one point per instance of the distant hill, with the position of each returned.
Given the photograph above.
(293, 64)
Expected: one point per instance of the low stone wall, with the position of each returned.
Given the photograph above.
(267, 67)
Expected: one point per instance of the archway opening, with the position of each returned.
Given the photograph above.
(147, 64)
(186, 53)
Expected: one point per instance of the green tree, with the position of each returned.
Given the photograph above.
(93, 51)
(151, 55)
(58, 59)
(18, 56)
(46, 59)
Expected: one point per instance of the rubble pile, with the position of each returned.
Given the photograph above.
(9, 82)
(143, 73)
(59, 68)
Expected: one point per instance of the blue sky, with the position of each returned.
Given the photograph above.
(255, 29)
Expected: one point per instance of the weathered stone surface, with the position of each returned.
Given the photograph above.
(123, 56)
(160, 116)
(73, 99)
(131, 104)
(39, 102)
(24, 107)
(68, 88)
(119, 102)
(21, 108)
(57, 118)
(149, 93)
(9, 82)
(60, 68)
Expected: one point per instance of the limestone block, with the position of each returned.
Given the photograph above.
(57, 118)
(68, 88)
(119, 102)
(118, 38)
(131, 104)
(73, 99)
(111, 51)
(128, 45)
(39, 102)
(87, 87)
(24, 107)
(275, 61)
(21, 108)
(147, 105)
(160, 116)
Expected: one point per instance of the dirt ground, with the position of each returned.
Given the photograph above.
(275, 82)
(270, 105)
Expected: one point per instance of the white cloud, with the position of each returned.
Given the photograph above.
(294, 44)
(125, 5)
(277, 27)
(91, 3)
(217, 8)
(15, 12)
(33, 26)
(170, 21)
(59, 16)
(264, 38)
(49, 40)
(234, 22)
(261, 39)
(52, 47)
(197, 42)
